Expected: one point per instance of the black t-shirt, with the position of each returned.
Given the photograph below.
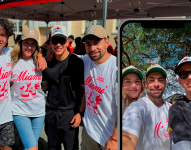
(180, 120)
(64, 79)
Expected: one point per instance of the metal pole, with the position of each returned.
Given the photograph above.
(104, 13)
(47, 30)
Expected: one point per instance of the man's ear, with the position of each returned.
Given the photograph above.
(67, 42)
(107, 42)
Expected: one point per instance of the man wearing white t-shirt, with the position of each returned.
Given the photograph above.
(100, 72)
(145, 122)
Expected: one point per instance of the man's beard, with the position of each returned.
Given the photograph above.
(154, 96)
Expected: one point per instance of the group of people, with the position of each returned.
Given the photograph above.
(80, 87)
(149, 122)
(79, 48)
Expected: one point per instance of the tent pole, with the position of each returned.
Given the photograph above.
(47, 30)
(104, 13)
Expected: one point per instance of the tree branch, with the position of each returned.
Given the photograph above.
(123, 51)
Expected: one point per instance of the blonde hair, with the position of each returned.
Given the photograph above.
(17, 53)
(125, 97)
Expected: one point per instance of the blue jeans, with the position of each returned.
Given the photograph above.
(29, 129)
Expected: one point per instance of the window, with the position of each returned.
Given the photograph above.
(93, 22)
(117, 23)
(17, 29)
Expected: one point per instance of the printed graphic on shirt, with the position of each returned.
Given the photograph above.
(4, 82)
(158, 127)
(93, 94)
(27, 90)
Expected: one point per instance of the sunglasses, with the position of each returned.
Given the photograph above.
(55, 41)
(184, 74)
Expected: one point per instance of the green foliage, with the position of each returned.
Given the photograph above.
(146, 46)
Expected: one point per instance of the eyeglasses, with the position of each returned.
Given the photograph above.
(184, 74)
(55, 41)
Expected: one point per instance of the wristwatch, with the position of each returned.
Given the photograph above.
(81, 113)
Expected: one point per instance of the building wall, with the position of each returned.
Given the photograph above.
(75, 28)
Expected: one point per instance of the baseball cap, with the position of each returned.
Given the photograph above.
(133, 69)
(156, 68)
(96, 30)
(58, 31)
(71, 37)
(30, 33)
(46, 46)
(184, 61)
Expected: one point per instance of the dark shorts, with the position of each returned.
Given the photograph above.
(7, 135)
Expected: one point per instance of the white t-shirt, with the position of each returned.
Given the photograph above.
(5, 76)
(101, 98)
(28, 98)
(149, 123)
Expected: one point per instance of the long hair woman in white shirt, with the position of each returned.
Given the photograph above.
(28, 98)
(132, 85)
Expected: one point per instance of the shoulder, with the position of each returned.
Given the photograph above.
(7, 50)
(75, 59)
(139, 105)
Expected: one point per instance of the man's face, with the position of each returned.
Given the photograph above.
(59, 45)
(70, 41)
(3, 38)
(155, 84)
(96, 47)
(186, 83)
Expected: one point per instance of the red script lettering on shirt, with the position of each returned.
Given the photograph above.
(92, 86)
(24, 77)
(4, 75)
(94, 97)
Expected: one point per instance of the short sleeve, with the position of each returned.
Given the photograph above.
(132, 119)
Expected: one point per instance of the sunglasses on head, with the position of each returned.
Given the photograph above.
(184, 74)
(55, 41)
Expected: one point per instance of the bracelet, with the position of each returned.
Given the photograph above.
(113, 138)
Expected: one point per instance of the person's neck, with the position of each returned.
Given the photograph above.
(103, 59)
(25, 57)
(188, 95)
(0, 51)
(63, 56)
(157, 101)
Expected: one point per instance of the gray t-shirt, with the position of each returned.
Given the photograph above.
(28, 97)
(101, 98)
(5, 76)
(149, 123)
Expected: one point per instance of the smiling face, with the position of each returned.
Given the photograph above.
(59, 45)
(96, 48)
(155, 84)
(186, 83)
(3, 38)
(28, 48)
(132, 85)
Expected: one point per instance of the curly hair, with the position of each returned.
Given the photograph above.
(7, 26)
(16, 53)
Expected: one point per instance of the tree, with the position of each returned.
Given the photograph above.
(142, 47)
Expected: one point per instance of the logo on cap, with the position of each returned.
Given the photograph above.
(185, 59)
(57, 29)
(31, 32)
(90, 30)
